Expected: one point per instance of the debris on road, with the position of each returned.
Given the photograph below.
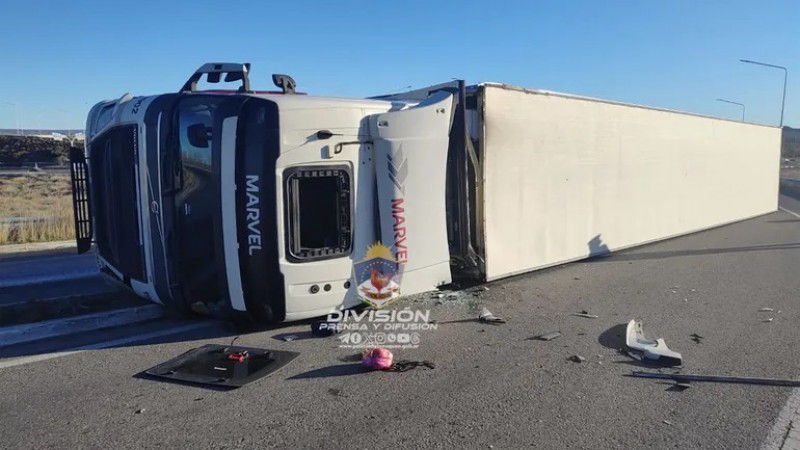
(577, 358)
(323, 328)
(336, 392)
(377, 358)
(767, 320)
(685, 378)
(405, 365)
(548, 336)
(140, 410)
(223, 365)
(696, 338)
(654, 350)
(637, 356)
(290, 337)
(199, 308)
(479, 289)
(487, 317)
(586, 314)
(667, 422)
(766, 310)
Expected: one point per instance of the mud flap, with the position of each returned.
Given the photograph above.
(411, 163)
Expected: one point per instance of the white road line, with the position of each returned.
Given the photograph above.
(780, 429)
(790, 212)
(122, 341)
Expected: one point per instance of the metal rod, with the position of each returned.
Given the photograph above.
(719, 379)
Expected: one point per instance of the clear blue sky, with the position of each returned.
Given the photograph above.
(57, 58)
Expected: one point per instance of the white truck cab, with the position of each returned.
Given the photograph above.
(277, 206)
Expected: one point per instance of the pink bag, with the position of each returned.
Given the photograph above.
(377, 358)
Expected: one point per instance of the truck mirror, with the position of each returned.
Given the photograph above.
(199, 135)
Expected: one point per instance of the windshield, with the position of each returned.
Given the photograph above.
(196, 203)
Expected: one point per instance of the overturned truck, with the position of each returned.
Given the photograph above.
(280, 206)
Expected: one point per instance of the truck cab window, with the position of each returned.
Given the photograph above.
(318, 205)
(195, 131)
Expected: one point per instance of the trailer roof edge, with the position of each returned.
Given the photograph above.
(511, 87)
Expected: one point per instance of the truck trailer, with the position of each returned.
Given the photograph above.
(278, 205)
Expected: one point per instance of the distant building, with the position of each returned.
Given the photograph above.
(790, 142)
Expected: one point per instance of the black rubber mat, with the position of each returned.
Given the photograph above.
(223, 365)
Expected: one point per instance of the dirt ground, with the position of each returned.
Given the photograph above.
(790, 168)
(36, 207)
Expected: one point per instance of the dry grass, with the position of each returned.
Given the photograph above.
(37, 195)
(792, 172)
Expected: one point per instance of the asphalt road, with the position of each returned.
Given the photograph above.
(492, 387)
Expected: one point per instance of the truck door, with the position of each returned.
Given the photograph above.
(411, 162)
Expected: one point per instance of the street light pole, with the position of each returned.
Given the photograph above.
(785, 78)
(733, 103)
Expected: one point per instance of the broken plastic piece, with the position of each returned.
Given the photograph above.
(548, 336)
(324, 328)
(655, 350)
(767, 320)
(488, 317)
(585, 314)
(637, 356)
(290, 337)
(577, 358)
(766, 310)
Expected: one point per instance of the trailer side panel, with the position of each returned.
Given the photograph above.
(566, 177)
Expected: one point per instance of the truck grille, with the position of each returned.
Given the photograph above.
(112, 158)
(81, 207)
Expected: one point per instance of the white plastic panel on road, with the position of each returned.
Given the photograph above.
(568, 177)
